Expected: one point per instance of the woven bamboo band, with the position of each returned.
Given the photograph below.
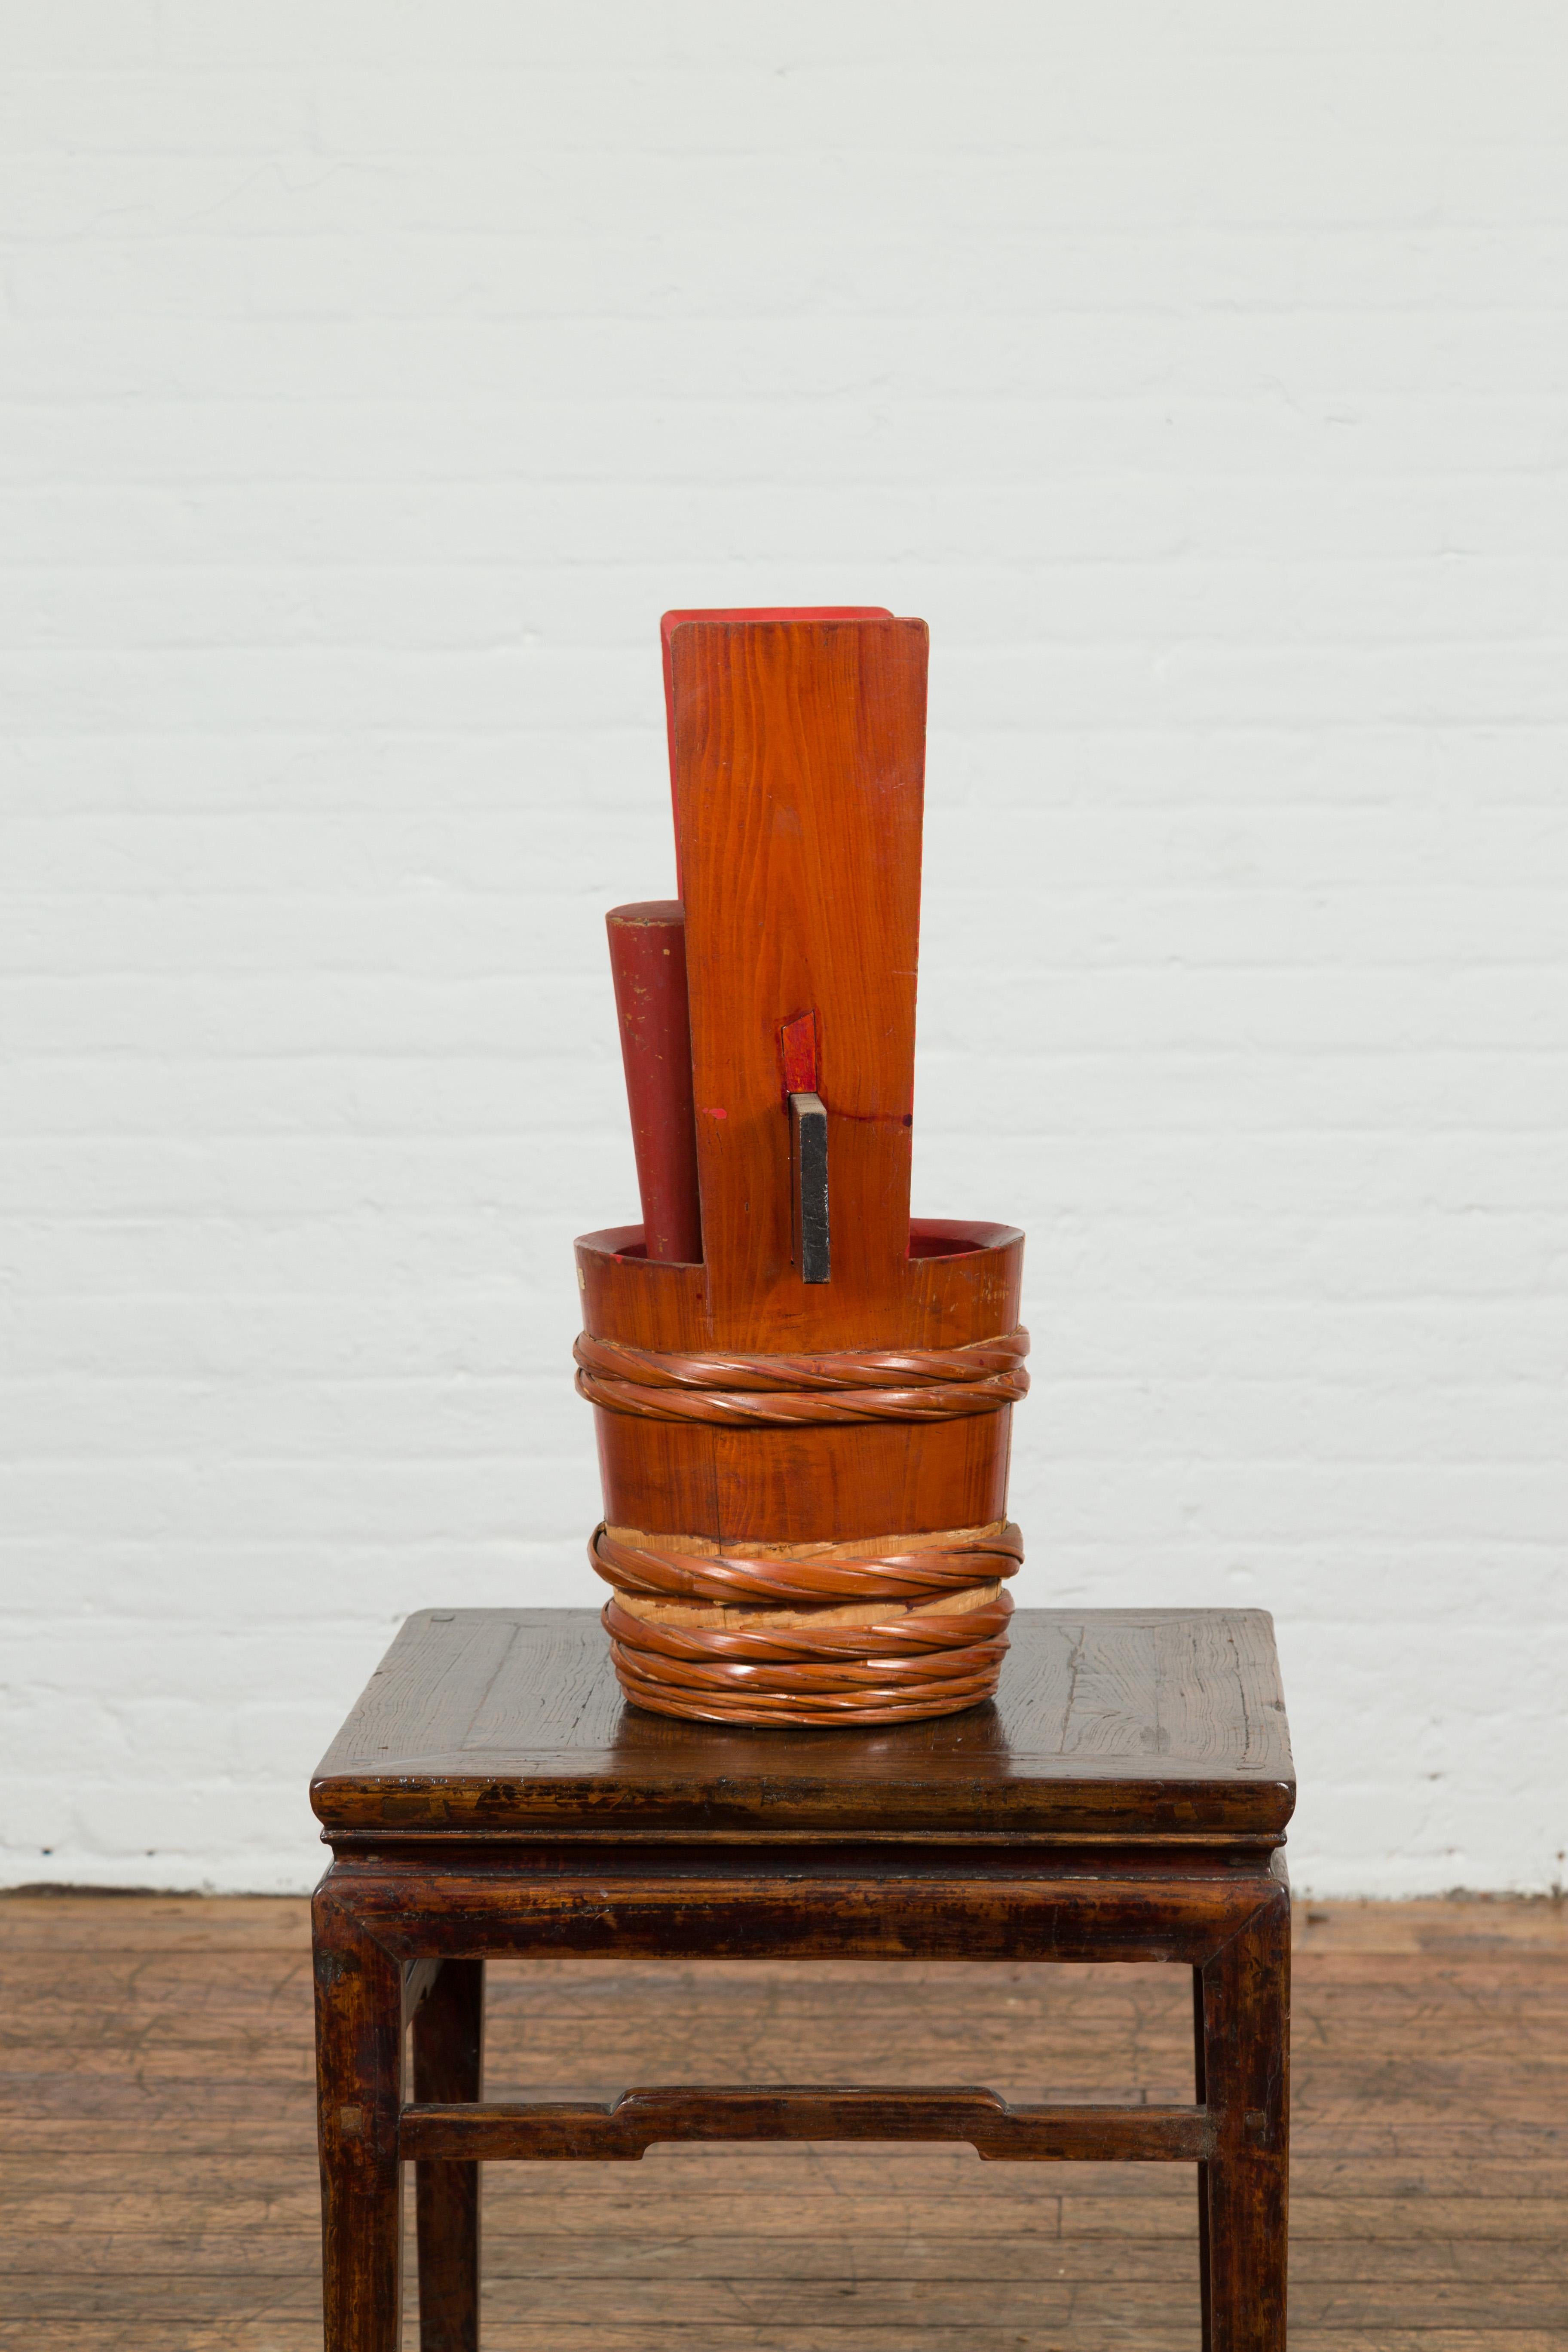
(896, 1568)
(908, 1664)
(876, 1631)
(784, 1391)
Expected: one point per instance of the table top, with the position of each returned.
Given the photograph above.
(508, 1723)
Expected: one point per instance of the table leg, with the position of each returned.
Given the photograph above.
(359, 2090)
(1244, 2029)
(449, 2065)
(1203, 2170)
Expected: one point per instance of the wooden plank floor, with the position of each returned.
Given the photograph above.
(158, 2189)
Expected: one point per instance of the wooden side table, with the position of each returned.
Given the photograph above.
(1123, 1798)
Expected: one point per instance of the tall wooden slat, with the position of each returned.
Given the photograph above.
(670, 621)
(799, 754)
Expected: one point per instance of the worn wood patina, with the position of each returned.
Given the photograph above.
(1124, 1798)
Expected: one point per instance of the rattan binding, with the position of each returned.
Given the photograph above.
(879, 1631)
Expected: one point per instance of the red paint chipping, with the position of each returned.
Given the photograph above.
(798, 1039)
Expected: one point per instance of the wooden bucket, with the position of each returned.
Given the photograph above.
(803, 1430)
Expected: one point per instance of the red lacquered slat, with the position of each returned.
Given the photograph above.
(648, 957)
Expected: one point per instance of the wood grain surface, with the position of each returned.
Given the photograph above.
(800, 770)
(159, 2188)
(1131, 1721)
(671, 621)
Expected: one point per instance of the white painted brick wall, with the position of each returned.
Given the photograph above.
(373, 374)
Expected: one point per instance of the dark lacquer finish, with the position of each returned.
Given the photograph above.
(1123, 1798)
(628, 2125)
(449, 2066)
(508, 1722)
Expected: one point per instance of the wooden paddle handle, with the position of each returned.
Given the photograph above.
(647, 958)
